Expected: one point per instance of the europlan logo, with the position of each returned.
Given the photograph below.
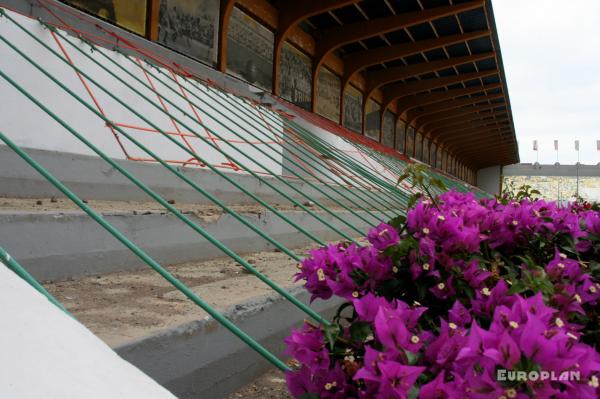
(542, 375)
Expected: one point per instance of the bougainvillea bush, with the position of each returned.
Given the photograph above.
(462, 298)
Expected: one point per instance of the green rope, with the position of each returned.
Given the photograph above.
(145, 257)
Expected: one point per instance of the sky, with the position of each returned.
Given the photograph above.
(551, 53)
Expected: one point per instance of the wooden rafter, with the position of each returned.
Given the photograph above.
(334, 38)
(362, 59)
(463, 111)
(225, 10)
(379, 78)
(421, 100)
(395, 91)
(462, 120)
(467, 127)
(466, 137)
(422, 114)
(474, 144)
(290, 14)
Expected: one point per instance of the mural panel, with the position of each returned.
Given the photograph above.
(372, 120)
(410, 142)
(432, 154)
(353, 100)
(388, 129)
(400, 136)
(129, 14)
(438, 158)
(250, 50)
(425, 156)
(190, 27)
(296, 76)
(418, 147)
(328, 95)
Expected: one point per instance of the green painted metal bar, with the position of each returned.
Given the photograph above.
(372, 198)
(250, 133)
(371, 201)
(174, 118)
(328, 149)
(198, 229)
(268, 115)
(191, 117)
(20, 271)
(195, 156)
(145, 257)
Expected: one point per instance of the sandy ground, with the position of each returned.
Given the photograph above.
(206, 212)
(119, 307)
(269, 386)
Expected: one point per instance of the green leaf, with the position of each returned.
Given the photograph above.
(331, 334)
(359, 331)
(413, 393)
(398, 222)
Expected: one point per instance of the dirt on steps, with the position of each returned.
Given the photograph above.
(270, 385)
(120, 307)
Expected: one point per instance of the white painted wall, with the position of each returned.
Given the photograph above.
(29, 126)
(488, 179)
(228, 115)
(47, 354)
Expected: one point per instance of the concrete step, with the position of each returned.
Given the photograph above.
(56, 241)
(92, 178)
(157, 329)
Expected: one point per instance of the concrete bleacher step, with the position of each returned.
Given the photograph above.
(152, 325)
(55, 240)
(140, 315)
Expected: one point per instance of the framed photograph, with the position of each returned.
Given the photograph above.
(328, 95)
(190, 27)
(353, 100)
(296, 76)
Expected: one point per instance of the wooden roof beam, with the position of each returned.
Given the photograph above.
(334, 38)
(473, 141)
(420, 100)
(395, 91)
(489, 134)
(465, 119)
(362, 59)
(467, 127)
(379, 78)
(461, 112)
(419, 114)
(290, 14)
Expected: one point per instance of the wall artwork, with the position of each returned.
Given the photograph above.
(353, 100)
(190, 27)
(410, 142)
(400, 136)
(250, 50)
(296, 76)
(389, 119)
(372, 120)
(328, 95)
(129, 14)
(432, 154)
(438, 158)
(418, 147)
(425, 156)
